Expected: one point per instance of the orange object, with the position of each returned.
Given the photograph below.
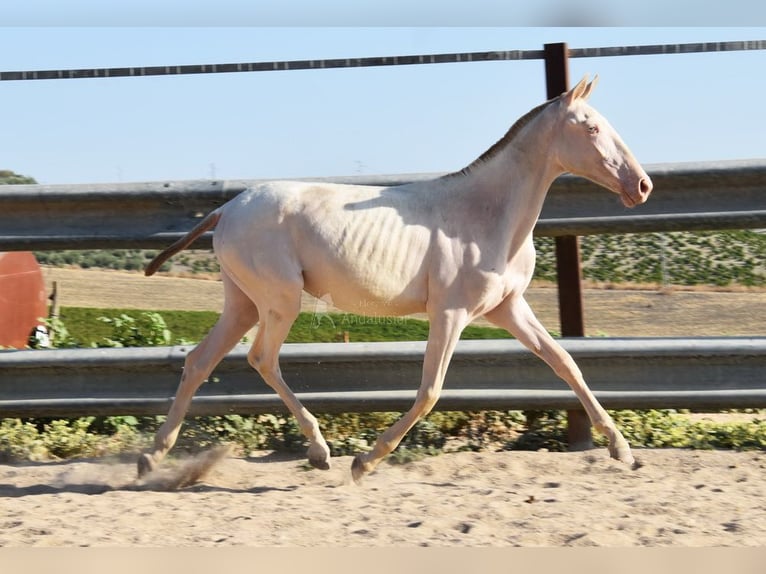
(23, 302)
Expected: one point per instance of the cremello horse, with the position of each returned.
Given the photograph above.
(457, 247)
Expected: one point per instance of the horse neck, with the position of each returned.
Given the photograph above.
(516, 180)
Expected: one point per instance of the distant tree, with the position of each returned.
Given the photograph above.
(8, 177)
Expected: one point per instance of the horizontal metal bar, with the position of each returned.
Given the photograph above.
(382, 401)
(365, 377)
(755, 219)
(711, 195)
(375, 61)
(658, 49)
(274, 66)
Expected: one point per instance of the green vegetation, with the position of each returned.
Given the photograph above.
(88, 327)
(718, 258)
(656, 428)
(8, 177)
(122, 259)
(346, 434)
(194, 262)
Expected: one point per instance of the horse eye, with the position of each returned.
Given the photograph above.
(593, 129)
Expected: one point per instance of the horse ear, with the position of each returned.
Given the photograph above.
(581, 88)
(589, 88)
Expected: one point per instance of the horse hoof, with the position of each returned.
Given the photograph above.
(621, 452)
(319, 456)
(321, 464)
(358, 469)
(145, 465)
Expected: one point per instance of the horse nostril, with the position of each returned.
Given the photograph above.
(645, 186)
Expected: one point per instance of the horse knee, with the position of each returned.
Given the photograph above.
(425, 402)
(255, 360)
(191, 371)
(200, 361)
(269, 370)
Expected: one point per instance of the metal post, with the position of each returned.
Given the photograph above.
(568, 258)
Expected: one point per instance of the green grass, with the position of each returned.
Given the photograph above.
(191, 326)
(85, 327)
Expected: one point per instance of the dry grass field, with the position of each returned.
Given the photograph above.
(614, 312)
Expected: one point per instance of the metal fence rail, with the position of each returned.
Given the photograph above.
(375, 61)
(692, 196)
(704, 373)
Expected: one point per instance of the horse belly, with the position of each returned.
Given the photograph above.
(364, 289)
(372, 267)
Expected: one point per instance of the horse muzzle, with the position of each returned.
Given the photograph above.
(639, 195)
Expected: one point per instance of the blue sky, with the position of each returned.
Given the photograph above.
(435, 118)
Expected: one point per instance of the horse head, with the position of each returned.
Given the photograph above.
(590, 147)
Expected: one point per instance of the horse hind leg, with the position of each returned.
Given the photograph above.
(239, 315)
(264, 358)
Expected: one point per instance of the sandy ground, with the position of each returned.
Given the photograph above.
(677, 498)
(614, 313)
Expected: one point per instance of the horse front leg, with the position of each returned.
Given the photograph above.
(515, 315)
(444, 332)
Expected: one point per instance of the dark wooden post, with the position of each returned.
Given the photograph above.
(568, 258)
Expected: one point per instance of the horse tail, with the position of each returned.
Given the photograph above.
(210, 221)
